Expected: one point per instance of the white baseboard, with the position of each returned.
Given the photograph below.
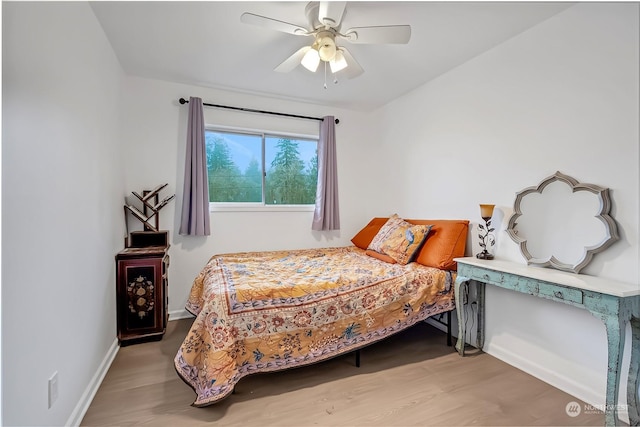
(180, 314)
(87, 397)
(554, 378)
(557, 380)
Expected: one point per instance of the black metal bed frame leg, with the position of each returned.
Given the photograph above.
(449, 338)
(449, 341)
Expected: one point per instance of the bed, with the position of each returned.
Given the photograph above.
(268, 311)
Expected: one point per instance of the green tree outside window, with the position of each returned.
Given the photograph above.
(235, 168)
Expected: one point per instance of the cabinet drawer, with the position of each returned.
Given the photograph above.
(486, 276)
(560, 293)
(504, 280)
(526, 286)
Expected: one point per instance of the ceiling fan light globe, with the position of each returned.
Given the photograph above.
(327, 49)
(311, 60)
(338, 62)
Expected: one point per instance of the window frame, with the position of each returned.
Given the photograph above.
(259, 206)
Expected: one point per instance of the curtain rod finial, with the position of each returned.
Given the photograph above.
(182, 101)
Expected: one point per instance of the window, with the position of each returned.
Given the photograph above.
(237, 161)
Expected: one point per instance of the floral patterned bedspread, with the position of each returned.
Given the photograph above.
(268, 311)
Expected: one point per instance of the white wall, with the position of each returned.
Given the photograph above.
(154, 132)
(562, 96)
(61, 199)
(78, 137)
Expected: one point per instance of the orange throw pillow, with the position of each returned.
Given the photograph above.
(366, 235)
(446, 240)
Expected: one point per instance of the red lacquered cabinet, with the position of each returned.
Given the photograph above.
(141, 292)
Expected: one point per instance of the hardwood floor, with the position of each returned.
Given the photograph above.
(412, 378)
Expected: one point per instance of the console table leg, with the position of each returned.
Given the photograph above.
(615, 325)
(480, 286)
(460, 286)
(634, 367)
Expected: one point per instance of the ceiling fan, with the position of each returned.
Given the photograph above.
(324, 25)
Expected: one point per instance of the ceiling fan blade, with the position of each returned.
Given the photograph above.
(293, 61)
(353, 68)
(273, 24)
(330, 12)
(388, 34)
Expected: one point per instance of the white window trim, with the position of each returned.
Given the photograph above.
(258, 207)
(260, 132)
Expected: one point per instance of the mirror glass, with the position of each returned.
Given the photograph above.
(561, 223)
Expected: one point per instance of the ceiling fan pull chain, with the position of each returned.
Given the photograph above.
(325, 75)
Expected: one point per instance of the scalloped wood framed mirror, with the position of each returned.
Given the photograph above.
(561, 223)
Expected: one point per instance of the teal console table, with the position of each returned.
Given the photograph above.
(614, 303)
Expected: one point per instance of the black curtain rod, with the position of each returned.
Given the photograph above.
(251, 110)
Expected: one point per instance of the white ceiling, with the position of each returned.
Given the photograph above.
(205, 44)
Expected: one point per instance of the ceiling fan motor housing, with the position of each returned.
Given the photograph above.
(312, 12)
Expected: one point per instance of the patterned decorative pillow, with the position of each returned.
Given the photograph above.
(403, 243)
(385, 231)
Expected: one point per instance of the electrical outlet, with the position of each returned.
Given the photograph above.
(53, 389)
